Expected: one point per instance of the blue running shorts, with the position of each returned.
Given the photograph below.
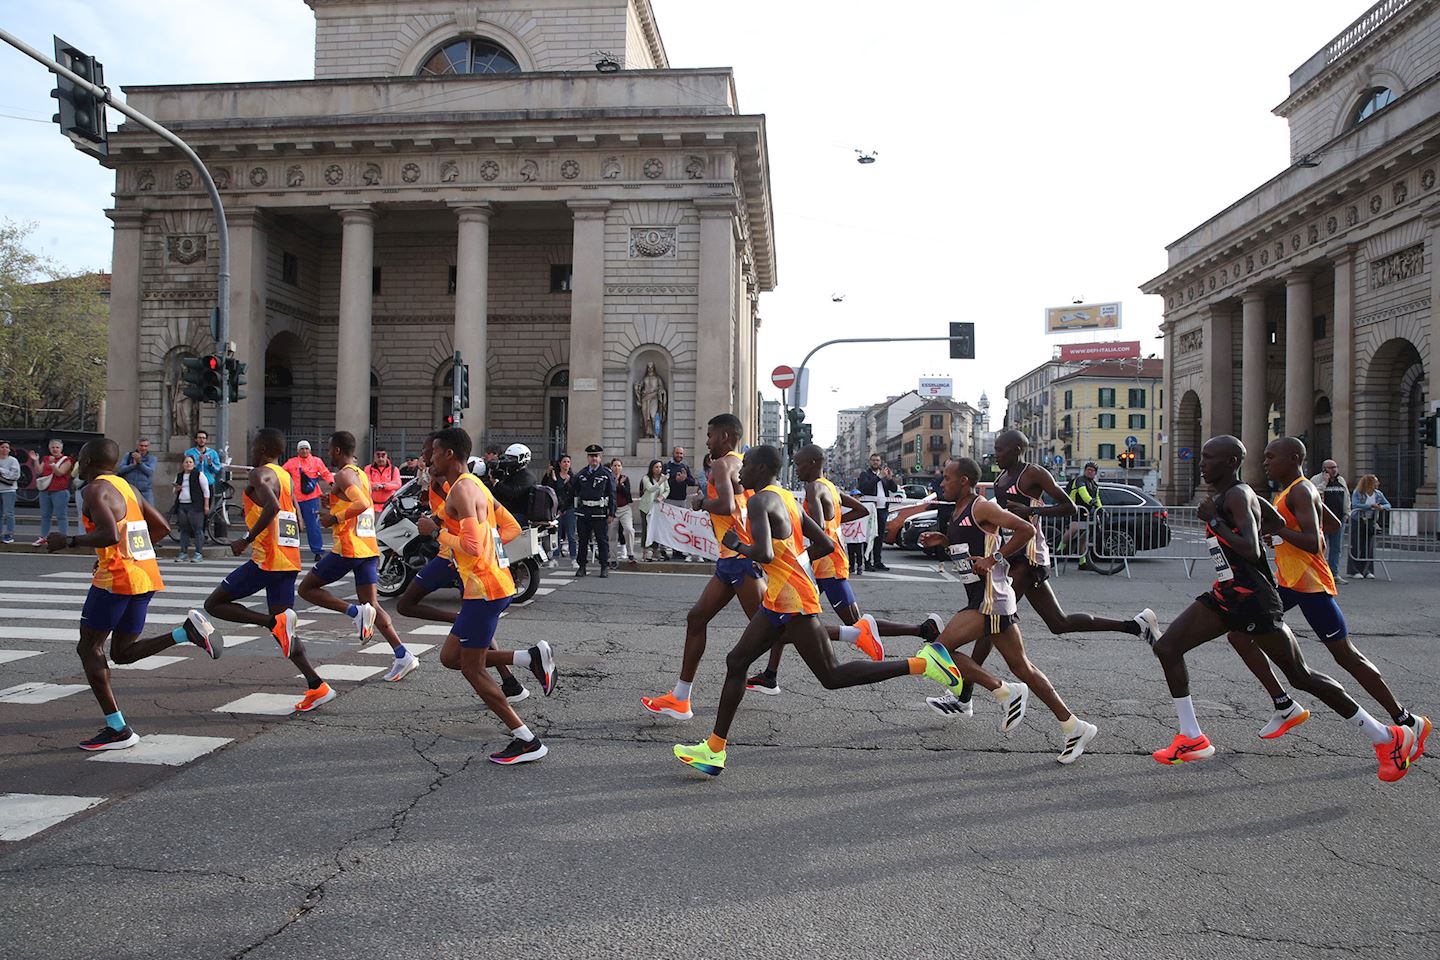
(248, 579)
(121, 613)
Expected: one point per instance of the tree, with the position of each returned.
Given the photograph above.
(52, 338)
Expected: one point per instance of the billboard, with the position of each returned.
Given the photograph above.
(1082, 316)
(938, 387)
(1114, 350)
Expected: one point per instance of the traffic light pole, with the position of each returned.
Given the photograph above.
(222, 228)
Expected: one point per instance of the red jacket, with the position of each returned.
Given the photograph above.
(312, 467)
(383, 483)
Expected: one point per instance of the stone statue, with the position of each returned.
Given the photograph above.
(184, 412)
(650, 397)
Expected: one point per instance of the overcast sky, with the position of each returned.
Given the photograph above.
(1028, 152)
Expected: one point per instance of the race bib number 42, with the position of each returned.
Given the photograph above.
(287, 527)
(137, 539)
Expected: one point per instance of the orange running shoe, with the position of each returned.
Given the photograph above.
(667, 706)
(1394, 756)
(1183, 749)
(869, 642)
(314, 698)
(1422, 730)
(284, 631)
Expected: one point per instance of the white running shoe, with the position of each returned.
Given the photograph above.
(1149, 625)
(402, 666)
(934, 622)
(365, 622)
(1012, 708)
(1283, 721)
(1076, 742)
(950, 706)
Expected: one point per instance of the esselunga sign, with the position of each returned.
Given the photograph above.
(1082, 316)
(936, 387)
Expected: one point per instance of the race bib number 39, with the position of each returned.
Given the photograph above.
(287, 527)
(137, 539)
(1217, 556)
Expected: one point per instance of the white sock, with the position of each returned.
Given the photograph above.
(1070, 724)
(522, 732)
(1371, 727)
(849, 634)
(1185, 710)
(1002, 692)
(682, 690)
(522, 658)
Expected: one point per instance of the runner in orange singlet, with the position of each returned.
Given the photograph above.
(478, 546)
(736, 575)
(791, 607)
(273, 536)
(1297, 528)
(122, 529)
(354, 550)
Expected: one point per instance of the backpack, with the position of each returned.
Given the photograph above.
(544, 504)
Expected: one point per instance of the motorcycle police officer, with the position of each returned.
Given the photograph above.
(594, 489)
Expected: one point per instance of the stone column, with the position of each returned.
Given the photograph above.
(122, 377)
(247, 323)
(1342, 391)
(1171, 489)
(1253, 408)
(1217, 414)
(1299, 357)
(587, 330)
(353, 344)
(714, 373)
(1428, 494)
(472, 309)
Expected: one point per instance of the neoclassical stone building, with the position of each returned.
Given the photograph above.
(1306, 306)
(458, 176)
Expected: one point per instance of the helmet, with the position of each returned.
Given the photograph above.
(519, 453)
(476, 465)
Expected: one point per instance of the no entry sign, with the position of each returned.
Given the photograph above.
(783, 377)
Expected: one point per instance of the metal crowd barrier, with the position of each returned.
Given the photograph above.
(1397, 535)
(1121, 535)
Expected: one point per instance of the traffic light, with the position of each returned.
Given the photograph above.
(1127, 459)
(235, 378)
(1428, 430)
(804, 436)
(212, 379)
(460, 387)
(82, 114)
(193, 373)
(962, 341)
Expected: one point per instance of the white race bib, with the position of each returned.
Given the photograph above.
(1222, 564)
(501, 559)
(137, 540)
(287, 529)
(962, 564)
(365, 525)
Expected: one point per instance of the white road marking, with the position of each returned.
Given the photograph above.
(383, 649)
(431, 630)
(263, 704)
(40, 692)
(162, 749)
(344, 671)
(10, 656)
(149, 663)
(26, 814)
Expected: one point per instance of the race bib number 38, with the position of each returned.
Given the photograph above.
(287, 527)
(137, 539)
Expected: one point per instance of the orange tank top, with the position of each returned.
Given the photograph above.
(278, 545)
(486, 575)
(788, 587)
(355, 536)
(835, 565)
(128, 567)
(437, 508)
(723, 524)
(1294, 568)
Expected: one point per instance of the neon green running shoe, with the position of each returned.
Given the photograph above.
(701, 757)
(940, 666)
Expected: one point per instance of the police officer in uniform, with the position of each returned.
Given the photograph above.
(594, 489)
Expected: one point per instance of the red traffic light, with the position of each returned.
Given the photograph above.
(212, 362)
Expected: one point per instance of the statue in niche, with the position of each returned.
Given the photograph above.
(184, 412)
(651, 398)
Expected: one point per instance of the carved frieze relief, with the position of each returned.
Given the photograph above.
(1190, 341)
(186, 248)
(1398, 266)
(184, 178)
(334, 174)
(410, 172)
(489, 170)
(652, 243)
(371, 176)
(1427, 179)
(145, 180)
(259, 176)
(295, 176)
(570, 169)
(653, 168)
(221, 176)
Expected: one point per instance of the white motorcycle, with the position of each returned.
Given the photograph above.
(404, 550)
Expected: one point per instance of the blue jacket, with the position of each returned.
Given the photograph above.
(139, 475)
(210, 462)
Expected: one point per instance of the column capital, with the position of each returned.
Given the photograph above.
(245, 217)
(1432, 215)
(1345, 252)
(469, 211)
(1300, 276)
(1253, 295)
(714, 208)
(361, 213)
(588, 209)
(128, 217)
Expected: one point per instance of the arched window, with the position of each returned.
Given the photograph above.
(456, 57)
(557, 411)
(374, 406)
(1372, 102)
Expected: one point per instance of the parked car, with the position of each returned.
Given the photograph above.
(905, 528)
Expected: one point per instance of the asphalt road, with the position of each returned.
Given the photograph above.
(853, 823)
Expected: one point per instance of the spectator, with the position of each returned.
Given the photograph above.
(1085, 492)
(937, 481)
(624, 517)
(138, 470)
(192, 505)
(681, 478)
(558, 479)
(384, 479)
(9, 483)
(1335, 494)
(206, 458)
(1365, 505)
(856, 550)
(653, 488)
(310, 479)
(876, 485)
(52, 479)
